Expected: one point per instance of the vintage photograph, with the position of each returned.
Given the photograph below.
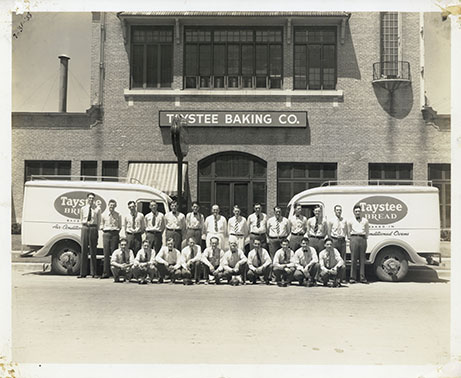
(231, 187)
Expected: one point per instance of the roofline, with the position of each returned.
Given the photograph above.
(234, 14)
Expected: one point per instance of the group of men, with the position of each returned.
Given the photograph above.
(295, 248)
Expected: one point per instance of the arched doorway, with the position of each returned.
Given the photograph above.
(232, 178)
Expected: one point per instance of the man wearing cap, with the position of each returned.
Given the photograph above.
(134, 227)
(211, 260)
(259, 263)
(215, 226)
(168, 262)
(191, 256)
(278, 228)
(358, 231)
(142, 267)
(257, 223)
(194, 224)
(234, 264)
(298, 227)
(155, 225)
(237, 228)
(175, 224)
(306, 263)
(316, 229)
(121, 262)
(111, 224)
(331, 264)
(283, 264)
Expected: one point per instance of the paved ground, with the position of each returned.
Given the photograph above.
(62, 319)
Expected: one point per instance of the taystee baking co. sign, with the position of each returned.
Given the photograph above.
(236, 118)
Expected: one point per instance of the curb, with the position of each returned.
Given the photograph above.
(30, 267)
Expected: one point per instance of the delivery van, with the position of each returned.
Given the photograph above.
(404, 221)
(51, 215)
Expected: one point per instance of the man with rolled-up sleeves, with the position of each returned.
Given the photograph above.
(155, 225)
(257, 223)
(278, 229)
(317, 229)
(175, 224)
(306, 263)
(298, 227)
(211, 260)
(283, 264)
(111, 224)
(121, 262)
(191, 262)
(259, 263)
(134, 226)
(358, 231)
(168, 262)
(234, 264)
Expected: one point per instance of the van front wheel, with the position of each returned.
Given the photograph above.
(66, 259)
(391, 264)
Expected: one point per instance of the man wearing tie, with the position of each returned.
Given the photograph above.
(298, 227)
(259, 263)
(168, 262)
(175, 223)
(358, 231)
(237, 228)
(306, 263)
(278, 228)
(194, 224)
(234, 264)
(317, 230)
(111, 224)
(155, 225)
(191, 257)
(211, 260)
(331, 264)
(134, 227)
(122, 261)
(257, 226)
(283, 264)
(215, 226)
(90, 219)
(142, 266)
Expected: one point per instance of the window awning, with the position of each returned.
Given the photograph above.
(162, 176)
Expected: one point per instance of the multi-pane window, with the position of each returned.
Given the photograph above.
(315, 58)
(441, 179)
(110, 170)
(151, 57)
(389, 44)
(50, 168)
(293, 178)
(88, 170)
(390, 173)
(233, 58)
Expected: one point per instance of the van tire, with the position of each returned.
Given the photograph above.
(66, 251)
(391, 264)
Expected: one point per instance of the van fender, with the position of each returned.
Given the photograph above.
(46, 249)
(408, 249)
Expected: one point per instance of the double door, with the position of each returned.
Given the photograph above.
(229, 194)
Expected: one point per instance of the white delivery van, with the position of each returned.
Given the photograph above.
(51, 215)
(404, 221)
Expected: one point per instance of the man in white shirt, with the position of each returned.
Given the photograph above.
(317, 230)
(211, 260)
(90, 219)
(234, 264)
(215, 226)
(175, 224)
(121, 262)
(155, 225)
(194, 224)
(257, 223)
(237, 228)
(259, 263)
(191, 256)
(283, 264)
(142, 267)
(278, 228)
(337, 231)
(133, 225)
(111, 224)
(298, 227)
(331, 264)
(168, 262)
(306, 263)
(358, 231)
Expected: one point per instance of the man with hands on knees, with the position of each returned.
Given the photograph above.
(283, 264)
(168, 262)
(234, 263)
(143, 266)
(331, 264)
(307, 263)
(191, 256)
(259, 263)
(121, 262)
(211, 260)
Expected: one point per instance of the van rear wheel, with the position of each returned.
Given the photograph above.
(66, 259)
(391, 264)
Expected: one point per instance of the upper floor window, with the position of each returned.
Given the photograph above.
(390, 173)
(315, 58)
(53, 169)
(233, 58)
(389, 44)
(151, 57)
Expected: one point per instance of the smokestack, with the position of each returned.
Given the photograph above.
(63, 71)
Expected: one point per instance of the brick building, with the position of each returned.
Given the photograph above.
(277, 102)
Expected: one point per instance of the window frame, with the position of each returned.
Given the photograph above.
(56, 169)
(397, 180)
(104, 166)
(444, 191)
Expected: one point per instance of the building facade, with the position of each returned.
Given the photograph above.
(276, 102)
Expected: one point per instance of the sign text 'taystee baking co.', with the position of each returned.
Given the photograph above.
(237, 119)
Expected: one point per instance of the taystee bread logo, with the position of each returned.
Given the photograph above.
(69, 204)
(383, 209)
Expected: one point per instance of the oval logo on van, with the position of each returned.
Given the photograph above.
(383, 209)
(69, 204)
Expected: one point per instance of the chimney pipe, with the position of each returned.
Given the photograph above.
(63, 71)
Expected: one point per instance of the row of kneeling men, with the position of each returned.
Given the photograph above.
(216, 265)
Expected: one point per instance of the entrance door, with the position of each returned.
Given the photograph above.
(229, 194)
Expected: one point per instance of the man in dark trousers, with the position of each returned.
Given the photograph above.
(111, 224)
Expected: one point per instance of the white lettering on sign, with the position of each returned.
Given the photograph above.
(383, 209)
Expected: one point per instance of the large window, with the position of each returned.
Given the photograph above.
(110, 170)
(88, 170)
(315, 58)
(390, 173)
(389, 44)
(233, 58)
(441, 178)
(293, 178)
(151, 57)
(50, 168)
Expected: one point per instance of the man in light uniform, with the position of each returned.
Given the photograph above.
(234, 264)
(331, 264)
(278, 228)
(358, 231)
(298, 227)
(317, 230)
(211, 260)
(337, 231)
(259, 263)
(194, 224)
(168, 262)
(90, 219)
(216, 226)
(306, 263)
(155, 225)
(111, 224)
(283, 264)
(121, 262)
(142, 267)
(257, 223)
(237, 228)
(134, 226)
(191, 256)
(175, 224)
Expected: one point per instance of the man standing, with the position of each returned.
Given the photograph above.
(175, 223)
(259, 263)
(215, 226)
(337, 231)
(168, 262)
(134, 227)
(331, 264)
(298, 227)
(142, 264)
(191, 257)
(122, 261)
(317, 230)
(278, 228)
(358, 231)
(306, 263)
(234, 263)
(257, 226)
(211, 260)
(90, 219)
(155, 225)
(237, 228)
(111, 224)
(283, 264)
(194, 224)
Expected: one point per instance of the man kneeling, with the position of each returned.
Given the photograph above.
(121, 262)
(234, 264)
(211, 260)
(259, 263)
(306, 263)
(283, 265)
(168, 262)
(143, 266)
(331, 264)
